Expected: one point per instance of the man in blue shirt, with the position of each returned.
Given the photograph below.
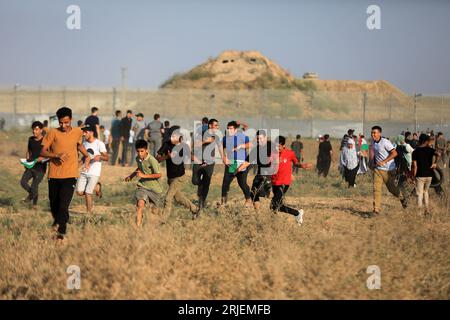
(235, 146)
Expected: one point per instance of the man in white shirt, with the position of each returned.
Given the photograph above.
(385, 169)
(88, 181)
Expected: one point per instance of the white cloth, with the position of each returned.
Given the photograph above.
(381, 152)
(94, 148)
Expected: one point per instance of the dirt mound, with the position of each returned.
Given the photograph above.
(233, 70)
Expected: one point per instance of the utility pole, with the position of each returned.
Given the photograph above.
(16, 86)
(364, 111)
(416, 95)
(114, 100)
(311, 96)
(123, 71)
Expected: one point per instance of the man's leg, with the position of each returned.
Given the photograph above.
(257, 185)
(53, 196)
(140, 206)
(158, 144)
(206, 182)
(124, 152)
(133, 154)
(426, 187)
(420, 184)
(115, 150)
(196, 180)
(242, 181)
(27, 175)
(377, 188)
(226, 182)
(38, 175)
(66, 189)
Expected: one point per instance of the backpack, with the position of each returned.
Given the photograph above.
(400, 160)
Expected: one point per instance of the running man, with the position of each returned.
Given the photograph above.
(88, 181)
(61, 146)
(235, 145)
(148, 189)
(385, 171)
(262, 156)
(204, 160)
(282, 179)
(37, 172)
(176, 153)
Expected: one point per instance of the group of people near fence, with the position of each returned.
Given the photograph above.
(155, 143)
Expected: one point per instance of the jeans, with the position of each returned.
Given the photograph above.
(242, 181)
(201, 177)
(115, 150)
(60, 192)
(37, 176)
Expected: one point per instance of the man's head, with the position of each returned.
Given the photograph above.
(205, 120)
(94, 111)
(326, 137)
(424, 139)
(298, 137)
(440, 134)
(232, 127)
(129, 114)
(79, 123)
(141, 149)
(261, 137)
(280, 143)
(64, 115)
(156, 116)
(37, 126)
(167, 123)
(45, 123)
(376, 133)
(407, 135)
(139, 117)
(213, 124)
(88, 132)
(102, 128)
(175, 135)
(415, 136)
(350, 132)
(118, 113)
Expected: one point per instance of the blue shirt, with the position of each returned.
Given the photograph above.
(231, 142)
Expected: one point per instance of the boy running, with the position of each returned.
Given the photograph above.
(282, 179)
(148, 187)
(88, 181)
(37, 172)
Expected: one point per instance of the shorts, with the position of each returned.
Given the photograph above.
(149, 196)
(87, 183)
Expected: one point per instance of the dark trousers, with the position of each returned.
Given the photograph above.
(60, 192)
(350, 175)
(201, 177)
(115, 150)
(260, 187)
(323, 166)
(125, 146)
(277, 201)
(242, 181)
(37, 176)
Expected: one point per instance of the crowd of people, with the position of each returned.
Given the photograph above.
(156, 144)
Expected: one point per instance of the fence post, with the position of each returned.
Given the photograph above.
(364, 111)
(114, 100)
(416, 95)
(311, 101)
(16, 86)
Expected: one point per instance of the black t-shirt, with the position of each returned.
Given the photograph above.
(34, 150)
(324, 149)
(93, 121)
(261, 156)
(424, 158)
(175, 166)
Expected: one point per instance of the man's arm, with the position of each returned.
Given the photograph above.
(140, 174)
(392, 155)
(414, 168)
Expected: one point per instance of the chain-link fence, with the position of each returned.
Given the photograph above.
(291, 111)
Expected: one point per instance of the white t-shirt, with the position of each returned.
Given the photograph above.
(106, 133)
(381, 152)
(94, 149)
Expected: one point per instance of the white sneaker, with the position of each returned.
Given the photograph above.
(299, 217)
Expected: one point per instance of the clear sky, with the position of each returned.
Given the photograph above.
(155, 39)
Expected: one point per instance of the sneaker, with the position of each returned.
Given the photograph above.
(299, 217)
(404, 203)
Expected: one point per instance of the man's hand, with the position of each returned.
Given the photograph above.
(140, 174)
(226, 161)
(87, 164)
(97, 158)
(381, 163)
(433, 166)
(122, 138)
(62, 156)
(128, 179)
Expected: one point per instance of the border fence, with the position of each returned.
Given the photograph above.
(308, 113)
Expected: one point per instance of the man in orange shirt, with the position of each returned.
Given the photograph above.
(61, 146)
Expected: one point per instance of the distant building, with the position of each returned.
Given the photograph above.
(310, 75)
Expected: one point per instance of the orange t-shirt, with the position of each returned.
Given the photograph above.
(58, 141)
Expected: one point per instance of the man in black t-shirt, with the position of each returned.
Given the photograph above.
(93, 121)
(324, 156)
(422, 168)
(262, 156)
(37, 172)
(204, 159)
(176, 153)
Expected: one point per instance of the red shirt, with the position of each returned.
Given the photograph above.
(284, 173)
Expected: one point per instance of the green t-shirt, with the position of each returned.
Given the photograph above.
(365, 147)
(149, 166)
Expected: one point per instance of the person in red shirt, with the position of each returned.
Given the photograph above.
(282, 179)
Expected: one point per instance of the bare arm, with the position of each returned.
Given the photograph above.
(391, 156)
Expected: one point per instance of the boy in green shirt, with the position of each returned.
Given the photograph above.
(148, 187)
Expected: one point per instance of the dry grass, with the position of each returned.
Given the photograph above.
(233, 255)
